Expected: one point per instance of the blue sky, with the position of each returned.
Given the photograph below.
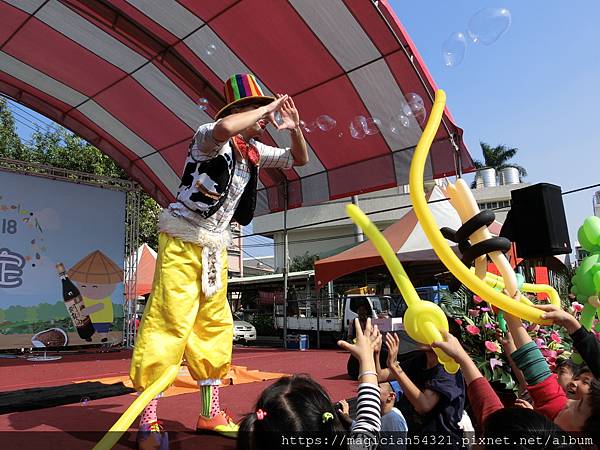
(533, 89)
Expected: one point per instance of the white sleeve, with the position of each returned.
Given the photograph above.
(203, 145)
(274, 157)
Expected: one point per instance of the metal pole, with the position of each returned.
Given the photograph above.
(358, 234)
(285, 263)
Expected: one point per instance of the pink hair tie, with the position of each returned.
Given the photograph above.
(260, 414)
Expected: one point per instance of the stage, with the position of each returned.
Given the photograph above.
(80, 425)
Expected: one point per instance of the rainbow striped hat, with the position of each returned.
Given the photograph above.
(240, 90)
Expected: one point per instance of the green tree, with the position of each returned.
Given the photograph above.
(56, 146)
(498, 157)
(303, 262)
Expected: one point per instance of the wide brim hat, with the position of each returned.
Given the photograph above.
(242, 89)
(96, 268)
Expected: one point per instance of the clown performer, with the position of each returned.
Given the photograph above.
(97, 276)
(187, 314)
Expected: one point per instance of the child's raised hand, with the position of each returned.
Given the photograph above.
(559, 317)
(366, 341)
(451, 347)
(393, 344)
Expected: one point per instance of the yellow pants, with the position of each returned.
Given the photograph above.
(179, 320)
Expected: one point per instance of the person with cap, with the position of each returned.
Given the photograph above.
(187, 315)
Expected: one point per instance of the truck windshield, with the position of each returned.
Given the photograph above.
(381, 304)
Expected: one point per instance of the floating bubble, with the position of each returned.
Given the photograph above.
(357, 127)
(415, 107)
(278, 118)
(399, 123)
(488, 25)
(84, 401)
(326, 123)
(372, 126)
(454, 48)
(203, 104)
(210, 49)
(309, 127)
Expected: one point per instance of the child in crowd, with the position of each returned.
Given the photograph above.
(565, 371)
(514, 428)
(297, 406)
(580, 384)
(393, 424)
(437, 397)
(575, 415)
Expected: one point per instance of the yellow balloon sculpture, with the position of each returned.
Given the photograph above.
(423, 320)
(437, 240)
(136, 408)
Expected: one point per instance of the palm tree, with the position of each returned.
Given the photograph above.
(498, 157)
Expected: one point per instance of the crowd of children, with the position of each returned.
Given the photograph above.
(415, 403)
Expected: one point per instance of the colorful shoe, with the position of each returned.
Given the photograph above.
(221, 424)
(151, 436)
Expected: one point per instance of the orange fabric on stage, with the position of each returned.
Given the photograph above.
(184, 383)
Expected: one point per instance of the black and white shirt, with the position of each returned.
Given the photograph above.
(207, 168)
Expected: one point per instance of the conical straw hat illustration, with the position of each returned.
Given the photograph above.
(96, 268)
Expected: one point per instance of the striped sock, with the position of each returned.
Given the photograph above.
(149, 413)
(210, 401)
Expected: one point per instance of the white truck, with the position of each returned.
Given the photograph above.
(336, 316)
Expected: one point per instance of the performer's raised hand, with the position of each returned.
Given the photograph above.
(289, 115)
(273, 107)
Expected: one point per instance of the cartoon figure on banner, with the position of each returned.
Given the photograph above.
(97, 277)
(586, 282)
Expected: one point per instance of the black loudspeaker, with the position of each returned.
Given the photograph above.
(537, 222)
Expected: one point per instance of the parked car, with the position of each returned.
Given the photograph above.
(242, 330)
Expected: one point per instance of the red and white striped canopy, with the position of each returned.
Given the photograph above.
(127, 76)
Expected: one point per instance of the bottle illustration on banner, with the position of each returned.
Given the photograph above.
(74, 304)
(97, 276)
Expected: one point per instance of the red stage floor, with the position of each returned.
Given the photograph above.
(80, 426)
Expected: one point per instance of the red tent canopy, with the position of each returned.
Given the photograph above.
(406, 237)
(127, 76)
(144, 272)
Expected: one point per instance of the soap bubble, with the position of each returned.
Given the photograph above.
(372, 125)
(278, 118)
(453, 49)
(326, 123)
(203, 104)
(415, 107)
(309, 127)
(357, 127)
(210, 49)
(399, 123)
(488, 25)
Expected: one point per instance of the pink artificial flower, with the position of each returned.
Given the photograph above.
(477, 299)
(577, 307)
(458, 321)
(555, 337)
(488, 325)
(474, 312)
(472, 329)
(540, 342)
(549, 354)
(485, 309)
(495, 362)
(491, 346)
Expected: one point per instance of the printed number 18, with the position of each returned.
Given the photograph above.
(9, 226)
